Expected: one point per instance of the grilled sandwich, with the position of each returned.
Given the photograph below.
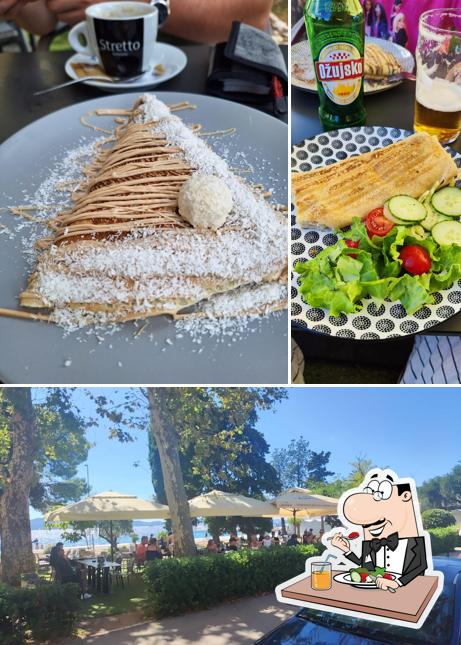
(333, 195)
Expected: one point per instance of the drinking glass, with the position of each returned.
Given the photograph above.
(321, 575)
(438, 74)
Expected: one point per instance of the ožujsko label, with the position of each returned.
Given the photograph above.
(340, 70)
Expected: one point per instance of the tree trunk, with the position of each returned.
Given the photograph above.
(16, 550)
(167, 444)
(284, 527)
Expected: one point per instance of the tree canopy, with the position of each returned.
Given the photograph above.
(442, 492)
(220, 446)
(61, 445)
(299, 464)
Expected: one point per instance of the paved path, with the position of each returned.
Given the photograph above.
(238, 623)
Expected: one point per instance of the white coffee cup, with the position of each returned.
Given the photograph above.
(122, 35)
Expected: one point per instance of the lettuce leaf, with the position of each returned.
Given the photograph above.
(336, 280)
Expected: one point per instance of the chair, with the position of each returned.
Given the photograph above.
(11, 34)
(124, 572)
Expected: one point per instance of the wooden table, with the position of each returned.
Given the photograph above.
(98, 573)
(407, 604)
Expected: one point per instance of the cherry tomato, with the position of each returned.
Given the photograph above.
(388, 576)
(415, 259)
(354, 535)
(377, 224)
(352, 245)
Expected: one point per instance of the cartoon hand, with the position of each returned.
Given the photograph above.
(340, 542)
(384, 583)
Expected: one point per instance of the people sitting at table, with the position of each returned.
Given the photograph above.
(308, 536)
(212, 547)
(64, 572)
(318, 538)
(254, 542)
(233, 545)
(293, 541)
(188, 19)
(153, 551)
(141, 551)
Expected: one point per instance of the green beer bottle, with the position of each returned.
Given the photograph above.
(336, 32)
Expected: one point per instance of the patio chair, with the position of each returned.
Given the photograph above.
(10, 34)
(124, 572)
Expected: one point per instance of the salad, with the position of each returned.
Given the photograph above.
(362, 574)
(406, 251)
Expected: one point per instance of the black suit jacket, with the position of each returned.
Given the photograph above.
(415, 563)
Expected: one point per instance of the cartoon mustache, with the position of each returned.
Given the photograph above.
(366, 526)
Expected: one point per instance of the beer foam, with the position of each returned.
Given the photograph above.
(438, 93)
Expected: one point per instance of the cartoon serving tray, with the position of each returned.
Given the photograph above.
(380, 566)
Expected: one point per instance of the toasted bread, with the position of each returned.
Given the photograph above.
(333, 195)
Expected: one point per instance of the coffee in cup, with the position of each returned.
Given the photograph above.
(122, 35)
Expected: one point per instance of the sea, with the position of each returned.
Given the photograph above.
(42, 538)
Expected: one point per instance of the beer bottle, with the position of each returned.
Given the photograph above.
(336, 32)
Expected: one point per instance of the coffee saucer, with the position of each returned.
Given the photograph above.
(172, 59)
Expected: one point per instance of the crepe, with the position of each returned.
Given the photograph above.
(379, 63)
(333, 195)
(124, 252)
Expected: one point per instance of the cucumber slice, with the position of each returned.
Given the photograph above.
(448, 232)
(355, 576)
(388, 215)
(447, 201)
(407, 208)
(433, 218)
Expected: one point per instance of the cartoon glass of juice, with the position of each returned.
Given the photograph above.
(321, 575)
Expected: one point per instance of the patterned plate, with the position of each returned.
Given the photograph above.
(377, 320)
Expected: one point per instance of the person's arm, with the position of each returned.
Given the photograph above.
(36, 18)
(205, 22)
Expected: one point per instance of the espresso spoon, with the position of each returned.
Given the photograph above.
(109, 81)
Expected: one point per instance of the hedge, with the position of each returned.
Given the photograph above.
(444, 540)
(43, 613)
(437, 518)
(177, 585)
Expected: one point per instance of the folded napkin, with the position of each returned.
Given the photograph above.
(249, 68)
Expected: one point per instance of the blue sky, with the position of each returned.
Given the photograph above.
(414, 431)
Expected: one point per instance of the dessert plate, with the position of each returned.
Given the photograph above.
(36, 352)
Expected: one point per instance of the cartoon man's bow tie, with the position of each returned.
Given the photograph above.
(391, 542)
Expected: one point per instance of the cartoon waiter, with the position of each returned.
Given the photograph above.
(383, 533)
(385, 509)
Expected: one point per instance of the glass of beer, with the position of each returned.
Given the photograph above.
(321, 575)
(438, 74)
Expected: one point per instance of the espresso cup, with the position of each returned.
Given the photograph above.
(122, 35)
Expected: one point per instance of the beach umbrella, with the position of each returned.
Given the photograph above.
(300, 502)
(109, 506)
(217, 503)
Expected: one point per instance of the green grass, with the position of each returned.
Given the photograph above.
(120, 601)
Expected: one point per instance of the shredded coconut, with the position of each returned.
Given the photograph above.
(134, 270)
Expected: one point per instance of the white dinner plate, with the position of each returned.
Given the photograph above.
(34, 352)
(173, 59)
(345, 578)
